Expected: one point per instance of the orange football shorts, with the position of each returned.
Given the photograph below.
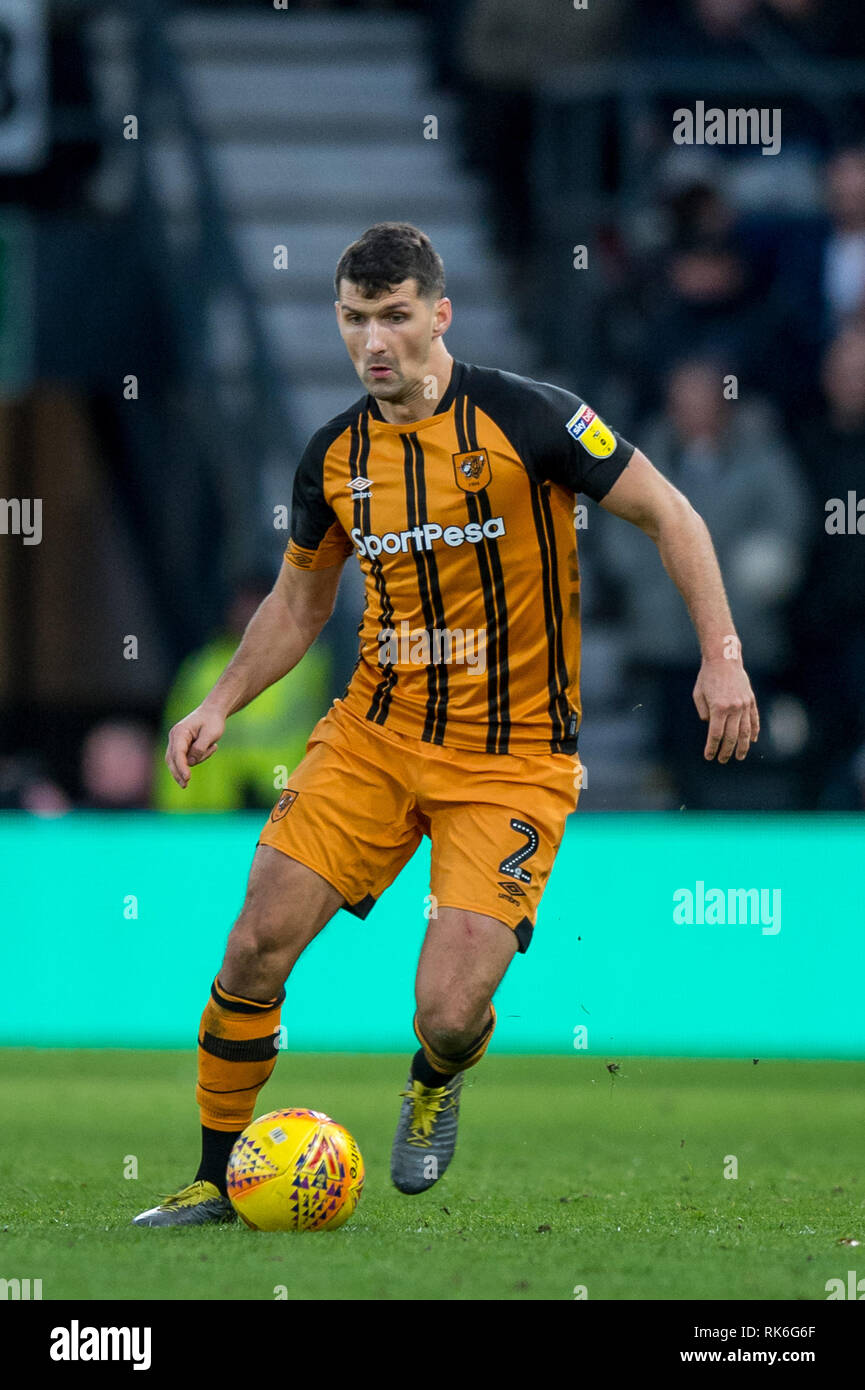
(358, 804)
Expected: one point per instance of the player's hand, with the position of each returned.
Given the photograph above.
(192, 741)
(724, 697)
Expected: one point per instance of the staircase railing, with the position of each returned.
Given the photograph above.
(244, 428)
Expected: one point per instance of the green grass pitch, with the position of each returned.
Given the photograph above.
(565, 1175)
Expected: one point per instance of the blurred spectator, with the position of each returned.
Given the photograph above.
(694, 28)
(117, 766)
(506, 48)
(729, 460)
(26, 786)
(843, 254)
(845, 787)
(510, 45)
(722, 19)
(828, 28)
(835, 434)
(820, 279)
(831, 623)
(705, 303)
(269, 734)
(763, 292)
(734, 28)
(696, 210)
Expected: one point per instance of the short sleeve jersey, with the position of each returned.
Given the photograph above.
(464, 526)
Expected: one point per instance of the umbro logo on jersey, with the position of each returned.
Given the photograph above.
(360, 486)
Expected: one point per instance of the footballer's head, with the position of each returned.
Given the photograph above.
(391, 309)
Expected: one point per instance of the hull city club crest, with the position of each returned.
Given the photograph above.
(472, 471)
(285, 803)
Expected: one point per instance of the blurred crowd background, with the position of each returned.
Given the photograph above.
(176, 184)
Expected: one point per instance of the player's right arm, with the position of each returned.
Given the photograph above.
(280, 632)
(287, 623)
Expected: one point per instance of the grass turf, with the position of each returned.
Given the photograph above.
(564, 1175)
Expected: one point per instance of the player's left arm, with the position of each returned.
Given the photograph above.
(723, 693)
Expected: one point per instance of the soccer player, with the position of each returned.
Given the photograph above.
(454, 484)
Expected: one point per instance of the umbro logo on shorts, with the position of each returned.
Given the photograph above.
(512, 890)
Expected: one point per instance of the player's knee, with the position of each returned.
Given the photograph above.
(255, 934)
(450, 1026)
(259, 954)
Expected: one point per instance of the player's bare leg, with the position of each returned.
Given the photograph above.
(464, 957)
(286, 906)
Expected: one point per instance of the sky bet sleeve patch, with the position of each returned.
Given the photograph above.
(596, 438)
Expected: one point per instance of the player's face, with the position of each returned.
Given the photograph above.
(389, 338)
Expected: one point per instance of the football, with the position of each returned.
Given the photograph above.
(295, 1170)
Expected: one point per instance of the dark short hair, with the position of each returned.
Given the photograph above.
(387, 254)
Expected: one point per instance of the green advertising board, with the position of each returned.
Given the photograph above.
(690, 935)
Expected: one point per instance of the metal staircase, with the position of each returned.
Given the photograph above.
(316, 128)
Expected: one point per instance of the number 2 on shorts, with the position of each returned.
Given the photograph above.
(512, 862)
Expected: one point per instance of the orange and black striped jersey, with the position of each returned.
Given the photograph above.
(464, 527)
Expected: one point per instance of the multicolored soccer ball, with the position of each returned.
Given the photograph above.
(295, 1170)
